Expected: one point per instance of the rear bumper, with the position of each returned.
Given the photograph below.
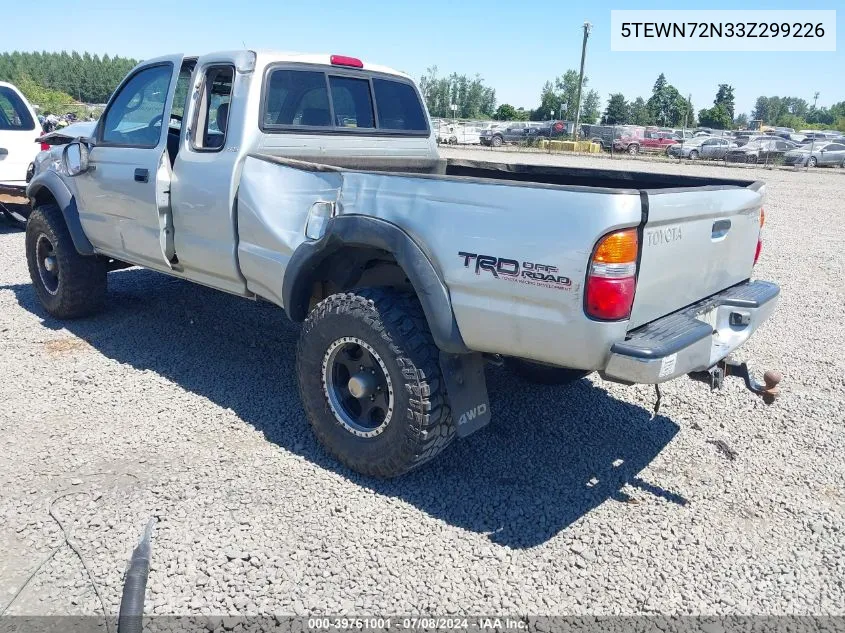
(692, 339)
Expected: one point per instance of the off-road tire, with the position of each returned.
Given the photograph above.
(541, 374)
(81, 288)
(394, 325)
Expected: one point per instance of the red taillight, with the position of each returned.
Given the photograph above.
(760, 237)
(45, 147)
(343, 60)
(610, 299)
(611, 281)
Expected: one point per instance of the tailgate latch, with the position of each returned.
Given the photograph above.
(715, 377)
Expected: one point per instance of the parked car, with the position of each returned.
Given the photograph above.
(507, 132)
(19, 130)
(822, 154)
(551, 128)
(604, 135)
(760, 150)
(399, 314)
(459, 134)
(629, 138)
(702, 147)
(639, 139)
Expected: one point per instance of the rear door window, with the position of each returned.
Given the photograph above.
(14, 115)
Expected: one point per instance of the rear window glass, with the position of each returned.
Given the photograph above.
(296, 97)
(307, 98)
(14, 114)
(352, 104)
(399, 106)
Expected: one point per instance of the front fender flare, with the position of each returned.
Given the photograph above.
(364, 231)
(51, 182)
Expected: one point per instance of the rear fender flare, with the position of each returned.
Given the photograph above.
(363, 231)
(48, 184)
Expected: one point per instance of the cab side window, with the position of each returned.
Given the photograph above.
(135, 117)
(212, 117)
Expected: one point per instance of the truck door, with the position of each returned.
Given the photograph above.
(124, 197)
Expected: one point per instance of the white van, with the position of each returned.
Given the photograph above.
(19, 130)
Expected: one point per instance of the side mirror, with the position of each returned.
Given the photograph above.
(75, 158)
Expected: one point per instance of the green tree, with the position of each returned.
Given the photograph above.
(560, 99)
(506, 112)
(666, 105)
(741, 121)
(85, 77)
(590, 107)
(473, 98)
(47, 100)
(618, 110)
(725, 98)
(716, 117)
(640, 114)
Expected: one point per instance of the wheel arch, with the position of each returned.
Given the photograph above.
(48, 188)
(348, 246)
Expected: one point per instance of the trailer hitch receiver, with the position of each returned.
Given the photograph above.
(715, 377)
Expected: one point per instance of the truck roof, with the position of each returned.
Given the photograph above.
(264, 56)
(267, 56)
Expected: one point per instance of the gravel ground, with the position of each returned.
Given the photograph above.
(179, 403)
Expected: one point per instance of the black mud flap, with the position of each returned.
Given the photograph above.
(467, 388)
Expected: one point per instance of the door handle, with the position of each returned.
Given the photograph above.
(142, 175)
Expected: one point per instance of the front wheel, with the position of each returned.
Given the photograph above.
(67, 284)
(633, 149)
(812, 161)
(693, 155)
(370, 382)
(497, 141)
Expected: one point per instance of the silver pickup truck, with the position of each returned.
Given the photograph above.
(314, 182)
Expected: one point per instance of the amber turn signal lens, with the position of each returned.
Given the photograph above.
(617, 248)
(762, 217)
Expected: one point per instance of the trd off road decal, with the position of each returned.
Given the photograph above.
(513, 270)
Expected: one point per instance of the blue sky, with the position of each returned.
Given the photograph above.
(515, 48)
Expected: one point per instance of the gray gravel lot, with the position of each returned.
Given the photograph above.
(179, 402)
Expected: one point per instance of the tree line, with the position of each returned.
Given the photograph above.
(55, 80)
(667, 107)
(80, 76)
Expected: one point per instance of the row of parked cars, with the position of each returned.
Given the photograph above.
(777, 145)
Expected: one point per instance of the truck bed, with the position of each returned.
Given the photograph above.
(697, 238)
(583, 177)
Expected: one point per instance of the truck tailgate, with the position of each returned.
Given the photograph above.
(696, 242)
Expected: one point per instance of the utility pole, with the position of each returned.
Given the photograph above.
(587, 28)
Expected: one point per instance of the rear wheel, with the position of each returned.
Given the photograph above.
(68, 284)
(542, 374)
(370, 382)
